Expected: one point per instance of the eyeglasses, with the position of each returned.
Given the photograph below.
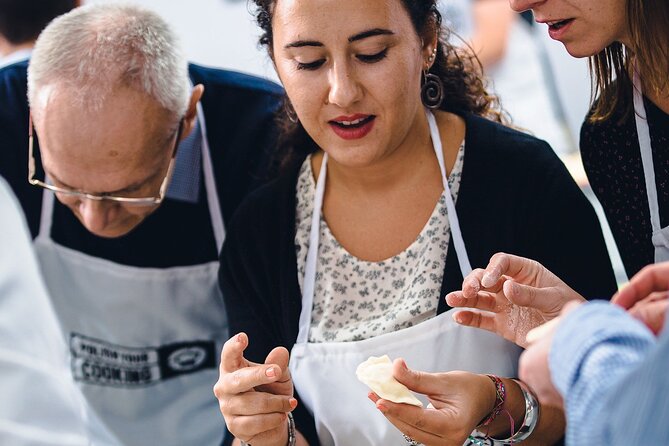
(132, 201)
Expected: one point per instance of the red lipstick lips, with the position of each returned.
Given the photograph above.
(352, 127)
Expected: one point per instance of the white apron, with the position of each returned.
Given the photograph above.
(144, 342)
(324, 373)
(660, 236)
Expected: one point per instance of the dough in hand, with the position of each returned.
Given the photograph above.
(377, 374)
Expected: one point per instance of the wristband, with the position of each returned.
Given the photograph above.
(292, 437)
(530, 421)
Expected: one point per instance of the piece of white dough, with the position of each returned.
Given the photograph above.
(377, 374)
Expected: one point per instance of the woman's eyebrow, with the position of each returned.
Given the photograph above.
(302, 43)
(371, 33)
(360, 36)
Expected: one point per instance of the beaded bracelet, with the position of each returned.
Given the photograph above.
(500, 397)
(530, 421)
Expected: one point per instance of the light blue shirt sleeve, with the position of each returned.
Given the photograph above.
(612, 374)
(41, 404)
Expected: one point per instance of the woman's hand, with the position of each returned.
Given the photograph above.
(533, 365)
(460, 399)
(255, 398)
(646, 296)
(515, 294)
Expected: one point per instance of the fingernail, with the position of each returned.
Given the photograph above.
(487, 280)
(293, 403)
(240, 338)
(382, 408)
(457, 318)
(511, 289)
(270, 372)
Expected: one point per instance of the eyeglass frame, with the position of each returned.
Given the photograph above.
(138, 201)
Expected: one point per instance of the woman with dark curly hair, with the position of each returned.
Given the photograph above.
(347, 254)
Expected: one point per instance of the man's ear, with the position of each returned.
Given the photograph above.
(191, 112)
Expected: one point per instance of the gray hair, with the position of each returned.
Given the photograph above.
(98, 47)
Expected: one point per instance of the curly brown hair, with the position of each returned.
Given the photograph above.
(458, 68)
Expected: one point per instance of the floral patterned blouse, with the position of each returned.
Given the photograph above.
(356, 299)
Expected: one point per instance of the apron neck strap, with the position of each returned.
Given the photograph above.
(643, 134)
(214, 204)
(46, 216)
(309, 282)
(456, 233)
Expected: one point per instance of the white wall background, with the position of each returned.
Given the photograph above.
(219, 33)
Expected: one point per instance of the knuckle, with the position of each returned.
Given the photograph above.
(498, 258)
(234, 380)
(420, 423)
(233, 425)
(218, 389)
(267, 404)
(225, 405)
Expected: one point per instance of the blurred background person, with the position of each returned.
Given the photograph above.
(41, 405)
(625, 148)
(21, 21)
(514, 62)
(545, 91)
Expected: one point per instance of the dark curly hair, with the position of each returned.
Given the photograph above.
(458, 68)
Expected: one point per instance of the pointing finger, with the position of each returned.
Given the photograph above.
(248, 378)
(481, 301)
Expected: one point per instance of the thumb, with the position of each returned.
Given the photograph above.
(283, 385)
(545, 300)
(419, 382)
(280, 357)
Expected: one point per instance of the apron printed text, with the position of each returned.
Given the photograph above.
(101, 363)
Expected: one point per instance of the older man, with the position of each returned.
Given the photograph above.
(127, 179)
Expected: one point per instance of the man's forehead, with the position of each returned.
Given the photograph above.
(125, 119)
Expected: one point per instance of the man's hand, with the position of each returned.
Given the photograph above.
(646, 296)
(255, 398)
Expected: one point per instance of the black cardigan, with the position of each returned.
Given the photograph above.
(515, 196)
